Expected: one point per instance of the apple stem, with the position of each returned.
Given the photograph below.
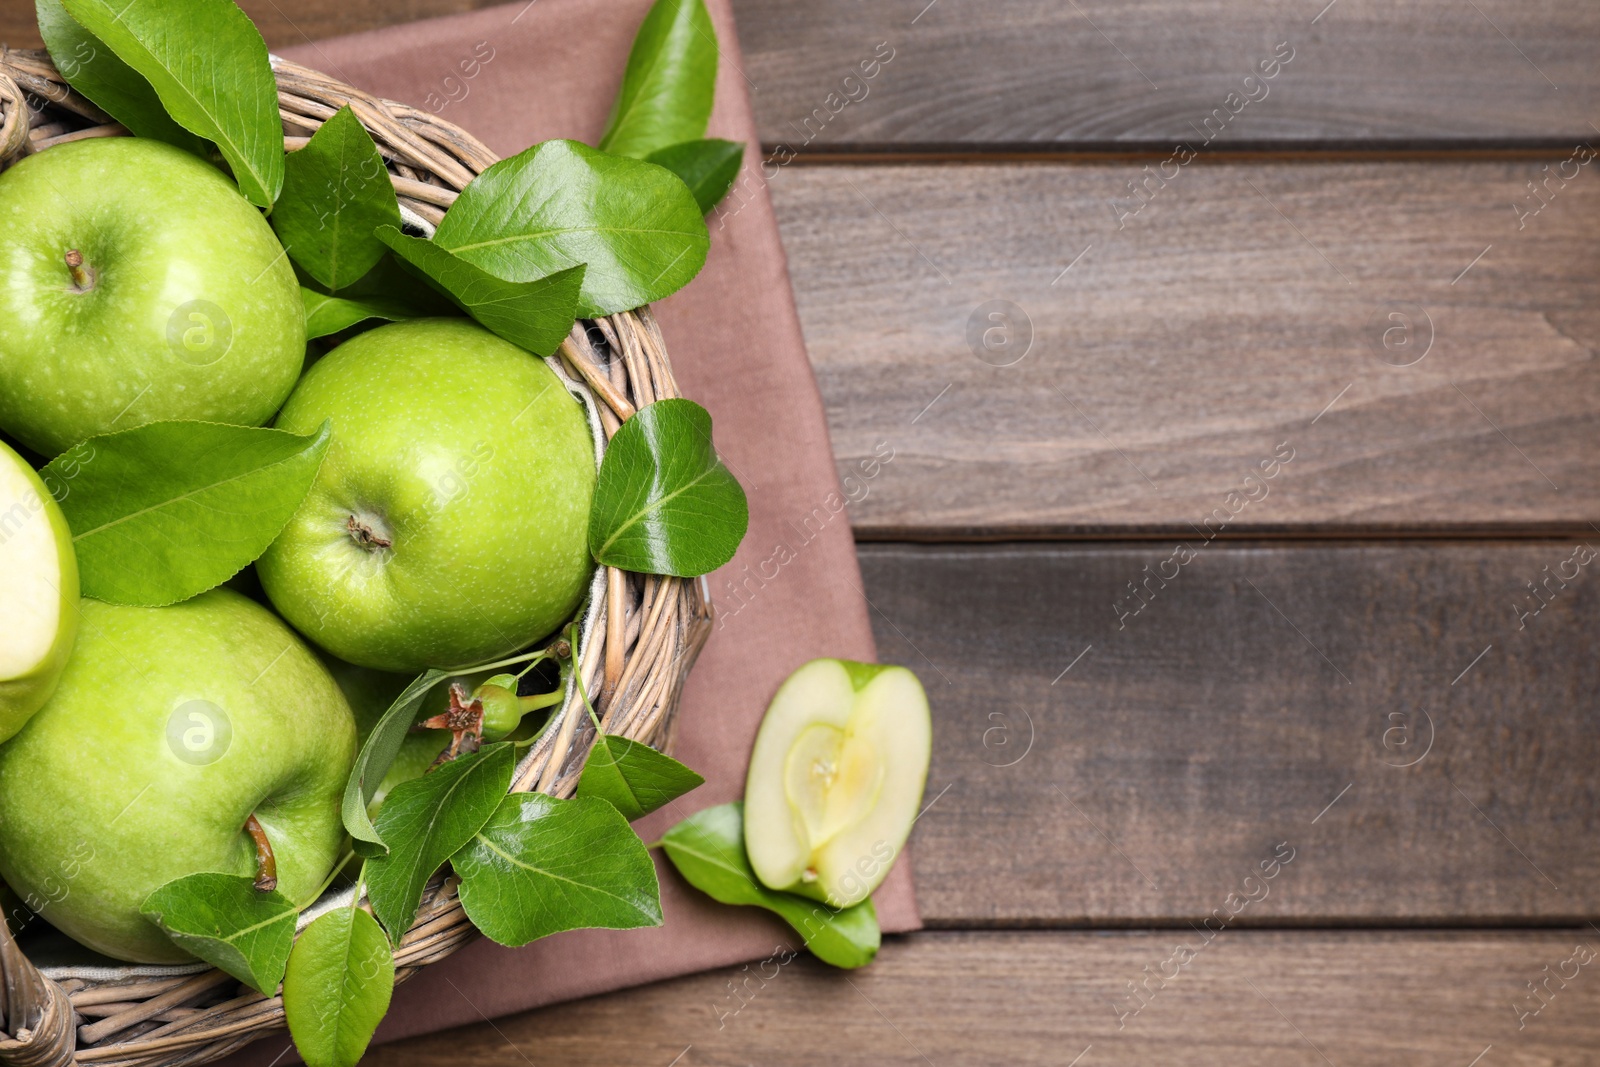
(82, 277)
(365, 536)
(266, 862)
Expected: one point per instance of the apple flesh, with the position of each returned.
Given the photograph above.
(170, 730)
(835, 779)
(38, 593)
(449, 523)
(136, 285)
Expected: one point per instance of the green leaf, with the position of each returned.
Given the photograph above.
(330, 314)
(209, 66)
(168, 510)
(536, 314)
(95, 71)
(226, 921)
(336, 192)
(561, 203)
(337, 989)
(633, 778)
(426, 821)
(378, 754)
(664, 503)
(708, 850)
(669, 83)
(708, 168)
(542, 865)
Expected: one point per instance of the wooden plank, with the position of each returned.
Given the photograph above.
(1103, 73)
(1244, 310)
(1030, 73)
(1257, 999)
(1098, 763)
(282, 22)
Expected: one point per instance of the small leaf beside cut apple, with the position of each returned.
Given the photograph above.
(633, 778)
(664, 503)
(536, 314)
(330, 314)
(226, 921)
(542, 865)
(337, 988)
(426, 821)
(561, 203)
(707, 167)
(168, 510)
(208, 64)
(94, 70)
(708, 850)
(378, 754)
(668, 85)
(336, 192)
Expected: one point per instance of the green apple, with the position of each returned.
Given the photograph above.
(136, 284)
(449, 523)
(38, 592)
(835, 779)
(171, 728)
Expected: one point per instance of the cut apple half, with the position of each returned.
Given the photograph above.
(835, 779)
(38, 593)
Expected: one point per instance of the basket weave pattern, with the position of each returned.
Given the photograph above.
(646, 630)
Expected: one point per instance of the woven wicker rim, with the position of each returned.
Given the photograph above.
(646, 629)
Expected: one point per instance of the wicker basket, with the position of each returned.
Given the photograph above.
(645, 630)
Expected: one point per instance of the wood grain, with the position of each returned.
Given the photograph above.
(1121, 72)
(1102, 73)
(1243, 308)
(1257, 999)
(1097, 766)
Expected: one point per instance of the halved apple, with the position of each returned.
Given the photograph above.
(38, 593)
(835, 779)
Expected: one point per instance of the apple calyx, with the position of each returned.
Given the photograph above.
(369, 532)
(464, 720)
(266, 862)
(82, 276)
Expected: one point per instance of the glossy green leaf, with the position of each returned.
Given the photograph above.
(664, 503)
(633, 778)
(708, 168)
(330, 314)
(168, 510)
(562, 203)
(336, 192)
(378, 754)
(337, 989)
(226, 921)
(209, 66)
(669, 83)
(426, 821)
(542, 865)
(708, 850)
(536, 314)
(95, 71)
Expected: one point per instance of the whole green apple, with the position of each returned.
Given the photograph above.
(449, 523)
(38, 592)
(171, 728)
(136, 284)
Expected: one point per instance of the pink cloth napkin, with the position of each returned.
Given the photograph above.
(551, 69)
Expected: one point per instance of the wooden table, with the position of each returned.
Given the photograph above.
(1244, 554)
